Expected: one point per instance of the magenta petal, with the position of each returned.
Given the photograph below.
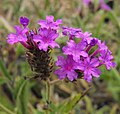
(95, 62)
(43, 46)
(50, 18)
(54, 44)
(61, 61)
(17, 28)
(59, 21)
(12, 39)
(25, 30)
(96, 72)
(61, 74)
(84, 54)
(72, 75)
(87, 76)
(36, 38)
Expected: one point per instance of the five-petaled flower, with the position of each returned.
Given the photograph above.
(46, 38)
(19, 36)
(67, 69)
(50, 23)
(89, 68)
(76, 50)
(106, 59)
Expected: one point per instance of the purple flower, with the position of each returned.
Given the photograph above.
(71, 32)
(19, 36)
(24, 21)
(104, 6)
(76, 50)
(86, 36)
(102, 46)
(49, 23)
(87, 2)
(106, 59)
(46, 38)
(67, 67)
(89, 68)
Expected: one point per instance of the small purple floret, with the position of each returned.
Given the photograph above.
(46, 38)
(71, 32)
(89, 68)
(86, 36)
(19, 36)
(50, 23)
(67, 68)
(76, 50)
(24, 21)
(106, 59)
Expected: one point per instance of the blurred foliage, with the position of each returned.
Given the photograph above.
(19, 96)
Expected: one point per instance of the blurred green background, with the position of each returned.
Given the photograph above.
(18, 96)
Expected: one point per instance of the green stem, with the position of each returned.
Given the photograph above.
(47, 94)
(48, 91)
(55, 81)
(6, 109)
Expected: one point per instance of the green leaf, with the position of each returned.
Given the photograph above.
(100, 24)
(4, 70)
(114, 19)
(70, 104)
(3, 80)
(19, 50)
(22, 96)
(89, 105)
(102, 110)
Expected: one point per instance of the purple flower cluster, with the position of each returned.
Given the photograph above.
(86, 56)
(43, 38)
(102, 4)
(83, 56)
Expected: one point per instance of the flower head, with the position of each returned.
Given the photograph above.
(19, 36)
(76, 50)
(67, 68)
(89, 68)
(24, 21)
(106, 59)
(50, 23)
(46, 38)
